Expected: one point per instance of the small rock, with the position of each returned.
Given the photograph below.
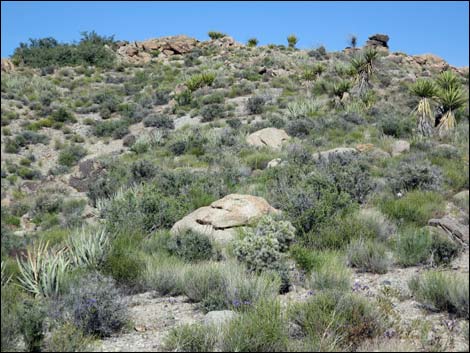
(399, 147)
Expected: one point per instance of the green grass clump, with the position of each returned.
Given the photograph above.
(416, 207)
(71, 155)
(261, 329)
(200, 80)
(444, 291)
(329, 271)
(191, 338)
(368, 256)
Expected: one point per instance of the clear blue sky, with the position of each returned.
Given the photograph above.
(441, 28)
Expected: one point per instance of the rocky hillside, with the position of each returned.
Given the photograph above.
(173, 194)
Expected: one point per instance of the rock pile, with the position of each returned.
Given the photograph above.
(378, 41)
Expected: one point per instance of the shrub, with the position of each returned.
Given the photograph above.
(261, 329)
(412, 174)
(299, 127)
(368, 256)
(212, 112)
(328, 271)
(252, 42)
(415, 207)
(68, 338)
(10, 314)
(159, 121)
(163, 274)
(234, 123)
(32, 324)
(96, 306)
(62, 115)
(444, 291)
(333, 320)
(191, 246)
(398, 127)
(255, 105)
(292, 40)
(142, 170)
(215, 35)
(191, 338)
(71, 155)
(115, 128)
(200, 80)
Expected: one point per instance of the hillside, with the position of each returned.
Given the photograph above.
(178, 195)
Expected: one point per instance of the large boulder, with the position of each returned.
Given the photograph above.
(378, 41)
(455, 229)
(432, 61)
(221, 219)
(270, 137)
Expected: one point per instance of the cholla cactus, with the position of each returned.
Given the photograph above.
(282, 231)
(43, 270)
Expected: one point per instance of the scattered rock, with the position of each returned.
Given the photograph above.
(431, 60)
(270, 137)
(451, 226)
(222, 217)
(339, 151)
(399, 147)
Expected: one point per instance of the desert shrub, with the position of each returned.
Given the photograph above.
(200, 80)
(32, 324)
(414, 247)
(261, 329)
(259, 159)
(191, 338)
(299, 127)
(115, 128)
(318, 53)
(444, 291)
(62, 115)
(215, 35)
(398, 127)
(142, 170)
(292, 40)
(415, 207)
(163, 274)
(30, 138)
(368, 256)
(308, 199)
(71, 155)
(234, 123)
(28, 173)
(178, 147)
(255, 105)
(10, 314)
(298, 154)
(374, 220)
(252, 42)
(68, 338)
(217, 286)
(44, 52)
(414, 173)
(96, 305)
(212, 112)
(159, 121)
(191, 246)
(333, 320)
(47, 202)
(328, 271)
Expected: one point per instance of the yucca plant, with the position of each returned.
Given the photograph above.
(43, 271)
(364, 65)
(340, 88)
(88, 248)
(5, 279)
(447, 80)
(425, 90)
(450, 100)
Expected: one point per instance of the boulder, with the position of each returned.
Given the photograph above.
(219, 318)
(270, 137)
(461, 198)
(88, 172)
(339, 151)
(222, 217)
(453, 227)
(431, 60)
(399, 147)
(378, 41)
(275, 162)
(7, 65)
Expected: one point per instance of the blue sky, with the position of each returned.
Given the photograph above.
(441, 28)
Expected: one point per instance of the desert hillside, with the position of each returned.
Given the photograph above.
(172, 194)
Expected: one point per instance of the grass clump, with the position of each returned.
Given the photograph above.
(444, 291)
(71, 155)
(191, 338)
(191, 246)
(368, 256)
(328, 271)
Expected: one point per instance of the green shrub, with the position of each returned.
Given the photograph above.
(328, 271)
(255, 105)
(10, 314)
(32, 324)
(368, 256)
(71, 155)
(415, 207)
(96, 306)
(398, 127)
(413, 173)
(200, 80)
(259, 159)
(444, 291)
(333, 320)
(115, 128)
(215, 35)
(292, 40)
(212, 112)
(159, 121)
(252, 42)
(191, 246)
(261, 329)
(68, 338)
(163, 274)
(191, 338)
(62, 115)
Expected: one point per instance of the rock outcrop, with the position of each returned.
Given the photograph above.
(455, 229)
(339, 151)
(222, 217)
(269, 137)
(7, 65)
(378, 41)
